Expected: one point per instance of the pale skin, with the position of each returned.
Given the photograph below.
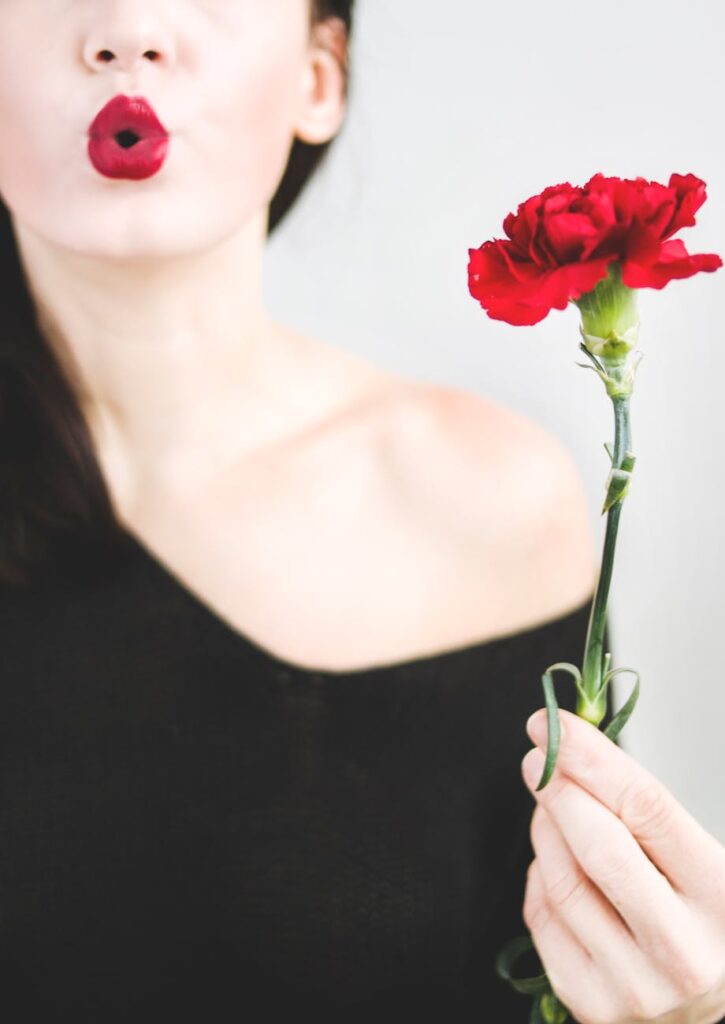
(266, 467)
(625, 899)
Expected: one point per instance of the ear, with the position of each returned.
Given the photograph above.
(322, 105)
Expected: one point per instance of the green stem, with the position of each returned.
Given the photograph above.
(593, 708)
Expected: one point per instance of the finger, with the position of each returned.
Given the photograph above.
(583, 908)
(611, 857)
(643, 990)
(568, 965)
(689, 857)
(592, 920)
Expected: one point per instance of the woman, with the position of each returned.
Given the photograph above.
(272, 617)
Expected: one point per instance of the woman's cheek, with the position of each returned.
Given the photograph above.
(254, 133)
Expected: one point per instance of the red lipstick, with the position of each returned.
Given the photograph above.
(127, 140)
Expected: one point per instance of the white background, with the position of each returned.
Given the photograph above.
(457, 113)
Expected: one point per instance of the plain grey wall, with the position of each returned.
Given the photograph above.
(457, 113)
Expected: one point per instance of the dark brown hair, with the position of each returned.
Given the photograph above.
(56, 514)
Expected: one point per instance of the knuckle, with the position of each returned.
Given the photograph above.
(566, 990)
(594, 1014)
(536, 914)
(693, 977)
(582, 994)
(642, 1007)
(568, 889)
(535, 910)
(609, 861)
(535, 827)
(644, 994)
(692, 973)
(647, 808)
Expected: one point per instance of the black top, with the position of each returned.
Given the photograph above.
(190, 824)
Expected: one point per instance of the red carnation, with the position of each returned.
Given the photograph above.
(561, 242)
(593, 247)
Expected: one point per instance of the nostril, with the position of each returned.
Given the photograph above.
(107, 56)
(127, 138)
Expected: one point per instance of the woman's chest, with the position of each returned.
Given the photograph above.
(329, 557)
(163, 816)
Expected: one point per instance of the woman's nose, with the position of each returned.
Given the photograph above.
(127, 48)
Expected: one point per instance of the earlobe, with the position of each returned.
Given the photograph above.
(322, 108)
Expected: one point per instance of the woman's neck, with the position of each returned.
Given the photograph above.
(176, 364)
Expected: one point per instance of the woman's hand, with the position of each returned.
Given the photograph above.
(625, 898)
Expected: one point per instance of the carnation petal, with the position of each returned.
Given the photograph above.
(691, 194)
(488, 272)
(657, 207)
(519, 227)
(519, 314)
(562, 243)
(642, 245)
(522, 271)
(567, 233)
(583, 277)
(506, 289)
(674, 262)
(526, 302)
(508, 224)
(571, 281)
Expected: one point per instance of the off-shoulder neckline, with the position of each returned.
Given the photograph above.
(287, 670)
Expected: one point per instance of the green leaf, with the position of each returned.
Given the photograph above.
(553, 738)
(628, 461)
(617, 487)
(566, 666)
(506, 960)
(622, 717)
(552, 716)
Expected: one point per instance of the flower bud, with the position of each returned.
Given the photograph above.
(610, 322)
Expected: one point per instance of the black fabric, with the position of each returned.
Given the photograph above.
(192, 825)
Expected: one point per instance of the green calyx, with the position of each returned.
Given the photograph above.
(610, 321)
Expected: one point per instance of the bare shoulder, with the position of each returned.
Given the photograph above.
(508, 488)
